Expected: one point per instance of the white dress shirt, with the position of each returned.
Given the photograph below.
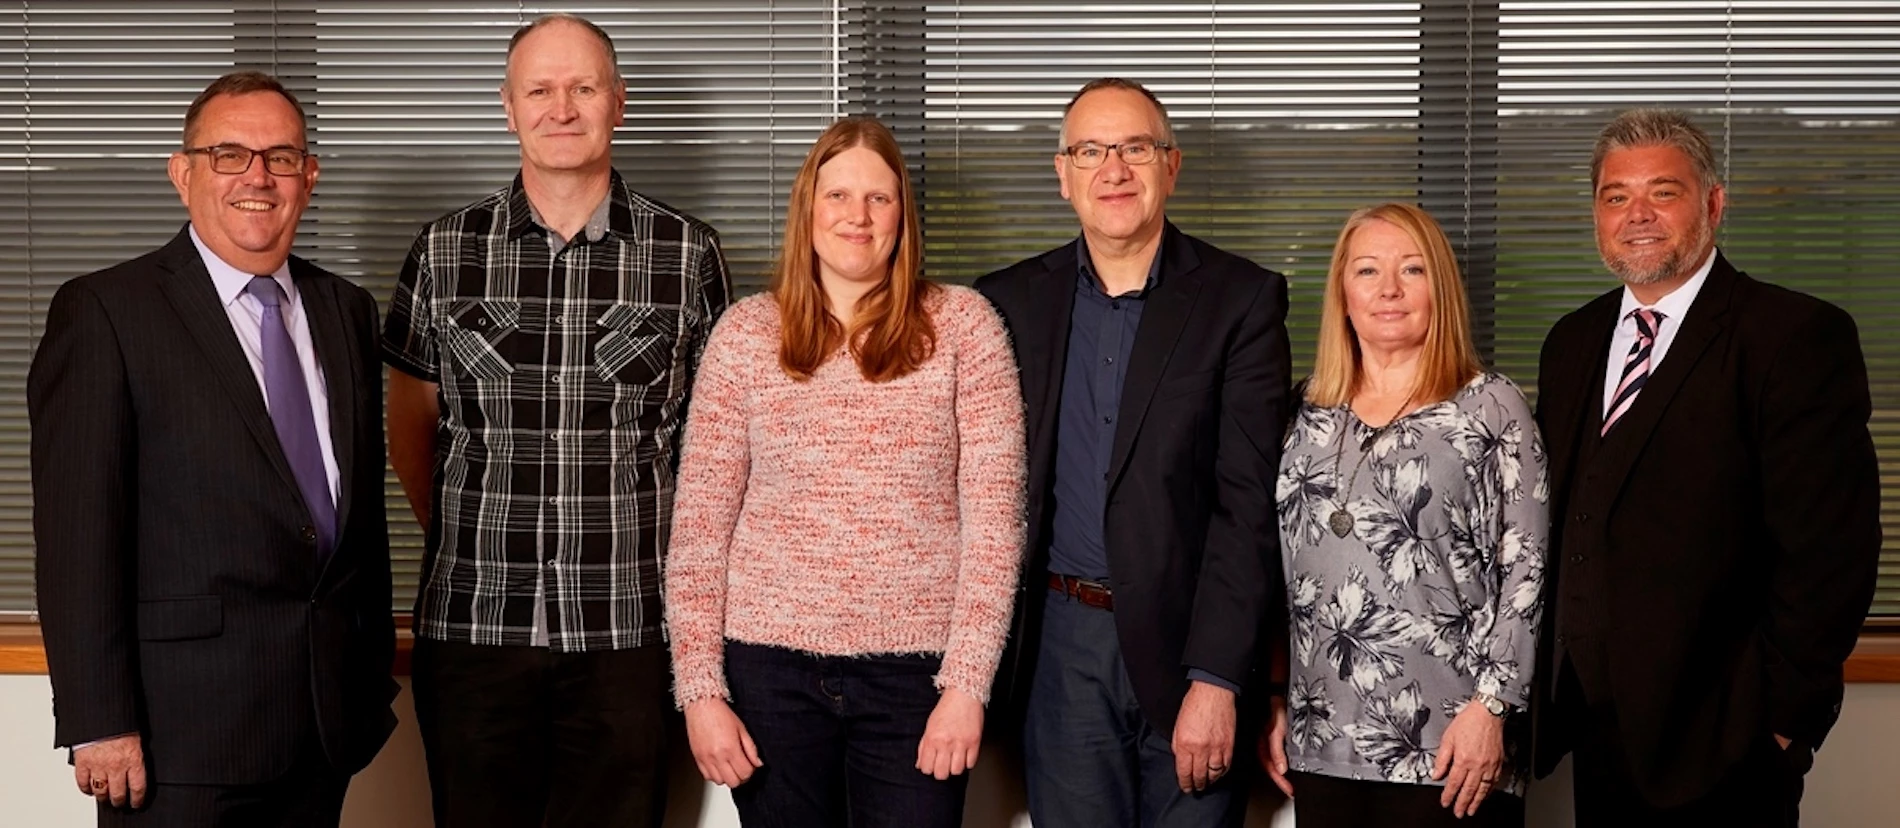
(1674, 308)
(246, 314)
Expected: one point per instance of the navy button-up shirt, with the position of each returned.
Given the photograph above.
(1101, 336)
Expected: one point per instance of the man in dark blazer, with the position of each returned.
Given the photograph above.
(1154, 368)
(1715, 509)
(212, 556)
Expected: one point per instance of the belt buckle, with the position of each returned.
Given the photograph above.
(1086, 592)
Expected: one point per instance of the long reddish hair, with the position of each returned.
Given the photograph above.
(891, 334)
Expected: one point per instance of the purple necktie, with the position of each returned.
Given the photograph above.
(290, 411)
(1635, 366)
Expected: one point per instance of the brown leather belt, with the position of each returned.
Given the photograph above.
(1086, 592)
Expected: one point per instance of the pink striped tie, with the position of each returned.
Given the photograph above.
(1635, 367)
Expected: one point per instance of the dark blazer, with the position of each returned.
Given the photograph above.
(1192, 535)
(178, 577)
(1716, 551)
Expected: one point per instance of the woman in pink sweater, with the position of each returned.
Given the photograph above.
(848, 523)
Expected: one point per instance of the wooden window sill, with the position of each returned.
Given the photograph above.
(22, 654)
(1876, 660)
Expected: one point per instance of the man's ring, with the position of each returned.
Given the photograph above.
(98, 784)
(1216, 768)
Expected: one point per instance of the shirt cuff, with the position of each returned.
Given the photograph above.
(1200, 675)
(82, 745)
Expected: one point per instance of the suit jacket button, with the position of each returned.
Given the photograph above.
(309, 534)
(1583, 517)
(1576, 559)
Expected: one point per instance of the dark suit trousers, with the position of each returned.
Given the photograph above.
(1762, 791)
(309, 796)
(525, 737)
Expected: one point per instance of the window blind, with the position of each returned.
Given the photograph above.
(1292, 114)
(724, 98)
(1289, 115)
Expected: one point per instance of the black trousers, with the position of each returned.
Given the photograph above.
(525, 737)
(310, 795)
(1332, 802)
(1761, 791)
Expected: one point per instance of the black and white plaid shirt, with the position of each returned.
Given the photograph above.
(564, 378)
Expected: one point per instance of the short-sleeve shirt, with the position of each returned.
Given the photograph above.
(564, 373)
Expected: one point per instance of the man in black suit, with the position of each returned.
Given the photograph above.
(213, 561)
(1154, 369)
(1715, 509)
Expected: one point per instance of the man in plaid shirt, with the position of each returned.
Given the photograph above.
(543, 342)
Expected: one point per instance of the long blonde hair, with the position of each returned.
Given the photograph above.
(1448, 360)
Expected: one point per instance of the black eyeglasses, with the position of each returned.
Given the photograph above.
(1088, 155)
(231, 159)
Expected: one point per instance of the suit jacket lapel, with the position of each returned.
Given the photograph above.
(1707, 318)
(187, 285)
(336, 354)
(1163, 317)
(1045, 349)
(1594, 354)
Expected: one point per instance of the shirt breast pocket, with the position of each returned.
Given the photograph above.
(637, 344)
(476, 335)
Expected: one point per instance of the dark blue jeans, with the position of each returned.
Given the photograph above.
(1090, 757)
(838, 738)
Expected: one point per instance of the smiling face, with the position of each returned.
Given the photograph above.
(1655, 220)
(1118, 204)
(563, 99)
(1387, 286)
(248, 219)
(857, 211)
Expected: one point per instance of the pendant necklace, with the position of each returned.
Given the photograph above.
(1341, 521)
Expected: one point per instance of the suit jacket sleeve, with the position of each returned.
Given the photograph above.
(83, 460)
(1821, 498)
(369, 516)
(1240, 570)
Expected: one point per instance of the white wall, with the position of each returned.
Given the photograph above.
(1853, 785)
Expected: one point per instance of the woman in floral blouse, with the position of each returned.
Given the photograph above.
(1414, 520)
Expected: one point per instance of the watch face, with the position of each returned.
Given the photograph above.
(1494, 704)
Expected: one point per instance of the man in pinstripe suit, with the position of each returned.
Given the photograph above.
(212, 554)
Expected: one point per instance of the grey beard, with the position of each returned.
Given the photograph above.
(1670, 266)
(1632, 275)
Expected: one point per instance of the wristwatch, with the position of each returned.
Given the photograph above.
(1492, 704)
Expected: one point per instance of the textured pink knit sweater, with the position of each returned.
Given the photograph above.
(838, 516)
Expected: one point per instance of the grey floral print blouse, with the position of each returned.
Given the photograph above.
(1414, 557)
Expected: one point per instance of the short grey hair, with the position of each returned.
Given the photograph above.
(1656, 128)
(1167, 126)
(613, 56)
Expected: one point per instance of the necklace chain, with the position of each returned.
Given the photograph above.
(1341, 520)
